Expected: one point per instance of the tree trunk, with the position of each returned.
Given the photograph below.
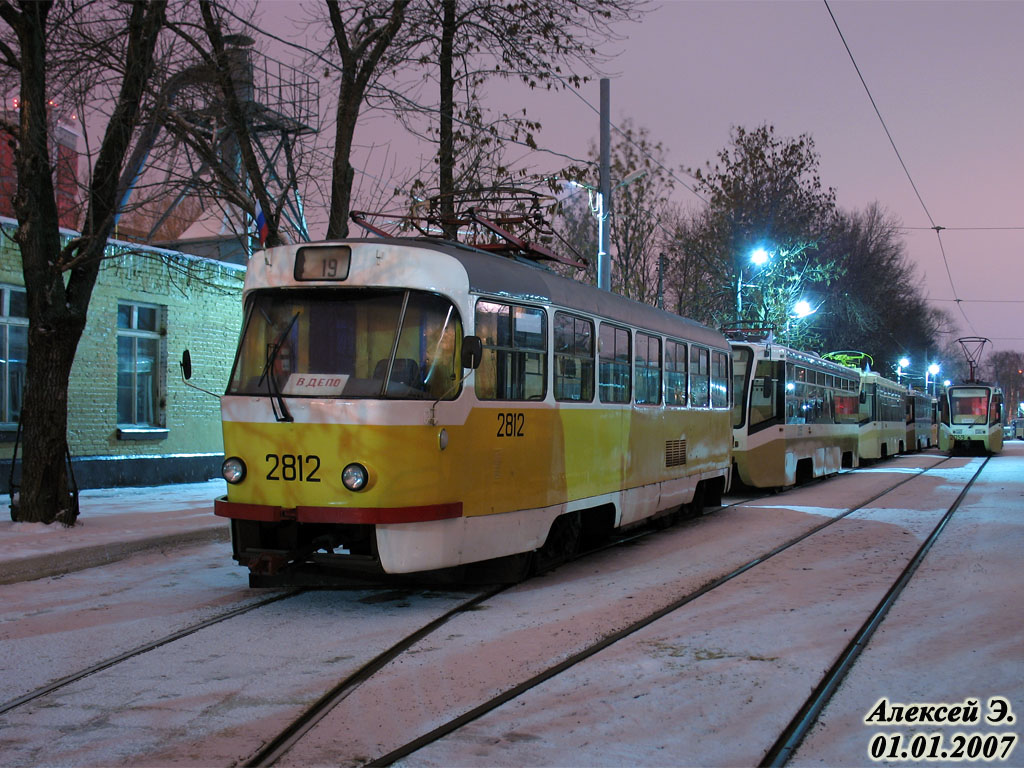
(44, 492)
(446, 150)
(53, 332)
(342, 177)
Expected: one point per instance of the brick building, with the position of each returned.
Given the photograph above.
(131, 420)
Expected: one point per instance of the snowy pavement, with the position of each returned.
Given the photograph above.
(113, 523)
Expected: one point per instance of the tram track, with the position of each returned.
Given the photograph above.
(282, 744)
(291, 736)
(794, 733)
(141, 649)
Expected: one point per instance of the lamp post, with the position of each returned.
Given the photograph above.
(904, 363)
(600, 206)
(758, 257)
(933, 370)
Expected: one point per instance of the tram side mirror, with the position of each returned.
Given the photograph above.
(863, 397)
(472, 352)
(186, 365)
(766, 386)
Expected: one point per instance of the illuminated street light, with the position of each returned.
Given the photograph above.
(904, 363)
(803, 309)
(933, 370)
(799, 311)
(758, 257)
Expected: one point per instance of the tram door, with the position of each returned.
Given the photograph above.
(767, 394)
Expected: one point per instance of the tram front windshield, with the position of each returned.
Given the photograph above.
(379, 343)
(969, 405)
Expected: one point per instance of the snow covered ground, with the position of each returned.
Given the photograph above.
(711, 684)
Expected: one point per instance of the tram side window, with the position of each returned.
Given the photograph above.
(742, 358)
(574, 358)
(614, 366)
(515, 353)
(700, 378)
(845, 400)
(675, 373)
(997, 409)
(890, 405)
(719, 380)
(767, 391)
(648, 369)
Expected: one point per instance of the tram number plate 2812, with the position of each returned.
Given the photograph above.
(290, 467)
(511, 424)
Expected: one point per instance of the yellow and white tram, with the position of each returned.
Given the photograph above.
(795, 415)
(970, 418)
(406, 405)
(883, 426)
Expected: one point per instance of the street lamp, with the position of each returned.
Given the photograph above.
(758, 257)
(801, 310)
(904, 363)
(601, 208)
(933, 369)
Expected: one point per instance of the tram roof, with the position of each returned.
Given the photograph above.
(527, 281)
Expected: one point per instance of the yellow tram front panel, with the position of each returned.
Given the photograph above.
(501, 460)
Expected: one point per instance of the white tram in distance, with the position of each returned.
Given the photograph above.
(795, 415)
(883, 421)
(403, 405)
(971, 418)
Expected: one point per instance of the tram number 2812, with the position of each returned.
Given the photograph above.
(511, 424)
(289, 467)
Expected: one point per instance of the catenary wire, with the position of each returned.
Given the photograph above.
(938, 229)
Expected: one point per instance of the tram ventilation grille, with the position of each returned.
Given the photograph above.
(675, 453)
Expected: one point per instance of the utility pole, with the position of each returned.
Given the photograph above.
(604, 270)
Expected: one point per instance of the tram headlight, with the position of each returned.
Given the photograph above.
(233, 470)
(355, 477)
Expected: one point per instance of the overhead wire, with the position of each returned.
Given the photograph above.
(938, 229)
(634, 144)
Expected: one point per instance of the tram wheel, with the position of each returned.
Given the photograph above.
(562, 543)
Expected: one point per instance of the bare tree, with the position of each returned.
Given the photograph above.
(541, 44)
(362, 37)
(1007, 370)
(41, 37)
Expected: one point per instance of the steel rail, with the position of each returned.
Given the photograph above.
(502, 698)
(794, 733)
(113, 660)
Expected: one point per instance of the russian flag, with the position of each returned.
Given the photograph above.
(262, 230)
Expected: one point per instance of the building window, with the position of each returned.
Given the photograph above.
(14, 351)
(139, 364)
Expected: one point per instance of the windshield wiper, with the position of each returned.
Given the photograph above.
(281, 412)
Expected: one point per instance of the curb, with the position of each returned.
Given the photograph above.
(68, 561)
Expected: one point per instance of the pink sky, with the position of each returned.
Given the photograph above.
(946, 77)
